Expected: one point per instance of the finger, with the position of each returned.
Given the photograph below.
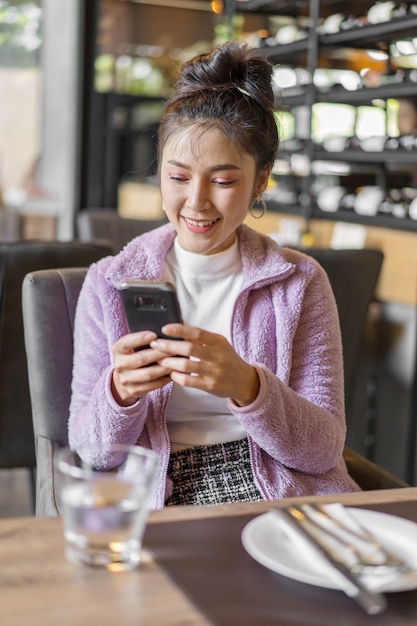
(132, 391)
(130, 360)
(128, 343)
(178, 364)
(145, 357)
(189, 333)
(189, 380)
(172, 347)
(139, 377)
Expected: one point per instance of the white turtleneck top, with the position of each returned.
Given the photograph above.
(207, 287)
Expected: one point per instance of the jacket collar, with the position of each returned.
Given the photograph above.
(142, 258)
(263, 260)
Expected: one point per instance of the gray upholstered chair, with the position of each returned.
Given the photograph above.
(109, 225)
(51, 296)
(353, 275)
(49, 299)
(17, 449)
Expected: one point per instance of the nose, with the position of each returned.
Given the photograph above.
(198, 196)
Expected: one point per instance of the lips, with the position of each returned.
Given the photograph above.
(200, 223)
(200, 227)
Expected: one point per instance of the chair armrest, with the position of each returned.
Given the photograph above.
(369, 475)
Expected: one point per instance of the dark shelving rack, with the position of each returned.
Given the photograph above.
(306, 52)
(377, 36)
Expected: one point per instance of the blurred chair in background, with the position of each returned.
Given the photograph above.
(17, 448)
(11, 226)
(109, 225)
(51, 296)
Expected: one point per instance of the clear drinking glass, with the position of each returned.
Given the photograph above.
(104, 512)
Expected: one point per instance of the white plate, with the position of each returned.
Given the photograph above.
(266, 539)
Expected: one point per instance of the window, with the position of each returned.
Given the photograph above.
(20, 77)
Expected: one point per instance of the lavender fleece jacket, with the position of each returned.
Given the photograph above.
(285, 322)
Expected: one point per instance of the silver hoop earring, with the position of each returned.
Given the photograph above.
(257, 208)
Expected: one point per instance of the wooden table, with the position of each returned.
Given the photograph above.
(39, 587)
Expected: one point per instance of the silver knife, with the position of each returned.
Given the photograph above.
(372, 602)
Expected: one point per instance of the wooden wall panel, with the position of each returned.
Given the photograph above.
(398, 280)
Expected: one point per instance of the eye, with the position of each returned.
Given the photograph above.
(178, 179)
(224, 183)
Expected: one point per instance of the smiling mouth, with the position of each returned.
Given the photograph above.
(201, 222)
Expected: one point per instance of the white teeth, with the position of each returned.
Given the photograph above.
(193, 223)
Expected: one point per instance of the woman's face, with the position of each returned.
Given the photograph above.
(207, 186)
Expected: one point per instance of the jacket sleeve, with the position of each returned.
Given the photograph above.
(95, 417)
(298, 417)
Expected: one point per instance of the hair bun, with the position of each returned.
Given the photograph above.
(230, 90)
(231, 65)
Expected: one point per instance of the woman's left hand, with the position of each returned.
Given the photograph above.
(207, 361)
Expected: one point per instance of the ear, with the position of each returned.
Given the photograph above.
(262, 180)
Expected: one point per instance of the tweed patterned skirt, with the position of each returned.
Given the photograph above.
(213, 475)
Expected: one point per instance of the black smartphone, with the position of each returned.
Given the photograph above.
(149, 305)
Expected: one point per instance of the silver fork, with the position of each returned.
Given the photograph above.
(370, 555)
(350, 582)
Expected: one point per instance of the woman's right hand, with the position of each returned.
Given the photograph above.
(136, 372)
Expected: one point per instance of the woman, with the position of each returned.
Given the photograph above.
(250, 404)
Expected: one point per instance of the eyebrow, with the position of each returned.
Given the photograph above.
(216, 168)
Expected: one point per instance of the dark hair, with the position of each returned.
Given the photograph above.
(229, 88)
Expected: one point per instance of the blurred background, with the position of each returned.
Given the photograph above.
(82, 86)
